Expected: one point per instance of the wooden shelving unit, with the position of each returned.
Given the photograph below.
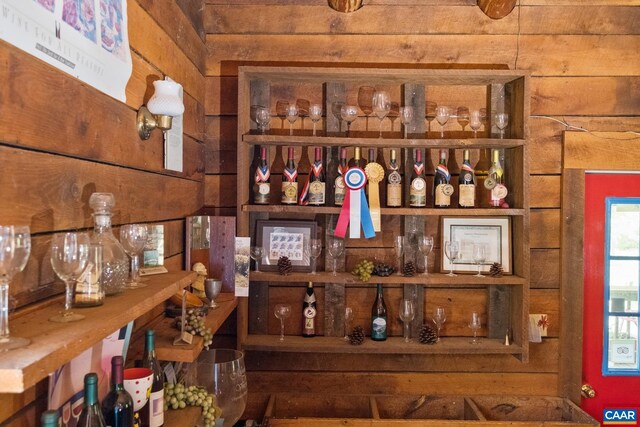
(333, 210)
(54, 344)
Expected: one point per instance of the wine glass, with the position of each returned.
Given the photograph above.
(430, 113)
(69, 255)
(365, 102)
(381, 103)
(442, 116)
(315, 113)
(336, 109)
(256, 252)
(479, 256)
(133, 237)
(282, 311)
(439, 318)
(394, 113)
(281, 111)
(348, 315)
(475, 122)
(263, 117)
(462, 115)
(292, 116)
(451, 250)
(398, 249)
(315, 249)
(212, 289)
(15, 247)
(475, 324)
(425, 244)
(406, 115)
(335, 247)
(303, 110)
(502, 120)
(349, 113)
(407, 314)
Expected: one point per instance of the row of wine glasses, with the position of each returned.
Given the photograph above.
(479, 255)
(473, 118)
(402, 246)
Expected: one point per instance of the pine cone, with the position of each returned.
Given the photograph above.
(356, 337)
(409, 269)
(428, 335)
(284, 265)
(496, 270)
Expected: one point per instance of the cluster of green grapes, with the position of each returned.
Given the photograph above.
(177, 396)
(363, 270)
(196, 326)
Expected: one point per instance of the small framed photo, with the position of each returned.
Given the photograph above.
(494, 233)
(285, 238)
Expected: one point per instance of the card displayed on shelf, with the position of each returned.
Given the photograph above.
(149, 271)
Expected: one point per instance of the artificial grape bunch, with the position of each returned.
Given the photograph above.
(409, 269)
(363, 270)
(178, 396)
(383, 270)
(196, 326)
(356, 337)
(496, 270)
(284, 265)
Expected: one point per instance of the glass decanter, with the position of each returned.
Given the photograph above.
(115, 263)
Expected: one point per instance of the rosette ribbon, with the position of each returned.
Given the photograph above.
(375, 174)
(355, 211)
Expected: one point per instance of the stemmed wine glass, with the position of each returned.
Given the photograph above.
(336, 109)
(15, 247)
(439, 318)
(349, 113)
(398, 249)
(69, 255)
(475, 122)
(451, 250)
(292, 116)
(502, 120)
(263, 117)
(406, 115)
(303, 110)
(282, 311)
(462, 115)
(348, 315)
(365, 99)
(430, 113)
(256, 253)
(442, 116)
(315, 114)
(475, 324)
(133, 237)
(394, 113)
(425, 244)
(407, 314)
(479, 257)
(381, 103)
(315, 249)
(335, 247)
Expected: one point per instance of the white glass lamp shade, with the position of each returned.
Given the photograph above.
(166, 99)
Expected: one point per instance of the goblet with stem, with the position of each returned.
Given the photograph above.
(365, 102)
(502, 120)
(263, 117)
(394, 113)
(335, 247)
(348, 315)
(282, 312)
(349, 113)
(475, 122)
(425, 244)
(315, 114)
(479, 257)
(398, 250)
(442, 116)
(292, 116)
(256, 253)
(303, 110)
(439, 317)
(69, 255)
(475, 324)
(15, 247)
(281, 111)
(315, 249)
(133, 237)
(212, 289)
(407, 314)
(381, 103)
(430, 113)
(406, 115)
(451, 250)
(336, 110)
(462, 116)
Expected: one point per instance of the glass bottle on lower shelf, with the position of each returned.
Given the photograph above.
(91, 415)
(117, 406)
(379, 317)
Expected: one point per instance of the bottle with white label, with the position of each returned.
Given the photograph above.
(317, 180)
(394, 182)
(262, 180)
(495, 183)
(467, 184)
(290, 181)
(442, 190)
(418, 190)
(309, 312)
(153, 412)
(338, 186)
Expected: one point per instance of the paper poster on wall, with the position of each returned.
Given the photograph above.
(87, 39)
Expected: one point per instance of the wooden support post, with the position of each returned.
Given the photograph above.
(259, 308)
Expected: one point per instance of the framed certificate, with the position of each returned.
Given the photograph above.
(285, 238)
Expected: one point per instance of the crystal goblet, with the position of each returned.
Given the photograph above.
(282, 312)
(133, 238)
(69, 255)
(212, 288)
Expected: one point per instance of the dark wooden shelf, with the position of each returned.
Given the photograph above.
(295, 209)
(431, 280)
(393, 345)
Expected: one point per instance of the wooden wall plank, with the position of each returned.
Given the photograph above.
(583, 151)
(193, 9)
(545, 228)
(220, 190)
(583, 18)
(544, 191)
(545, 268)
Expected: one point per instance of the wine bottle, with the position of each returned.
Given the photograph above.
(379, 317)
(495, 182)
(117, 406)
(309, 312)
(317, 186)
(418, 190)
(49, 418)
(380, 160)
(357, 160)
(155, 411)
(371, 157)
(290, 181)
(91, 415)
(338, 186)
(482, 171)
(394, 182)
(442, 190)
(467, 184)
(262, 180)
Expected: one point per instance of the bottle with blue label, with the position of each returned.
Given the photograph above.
(379, 317)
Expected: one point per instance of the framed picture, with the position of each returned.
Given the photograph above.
(285, 238)
(492, 232)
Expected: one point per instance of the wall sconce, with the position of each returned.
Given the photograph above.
(161, 108)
